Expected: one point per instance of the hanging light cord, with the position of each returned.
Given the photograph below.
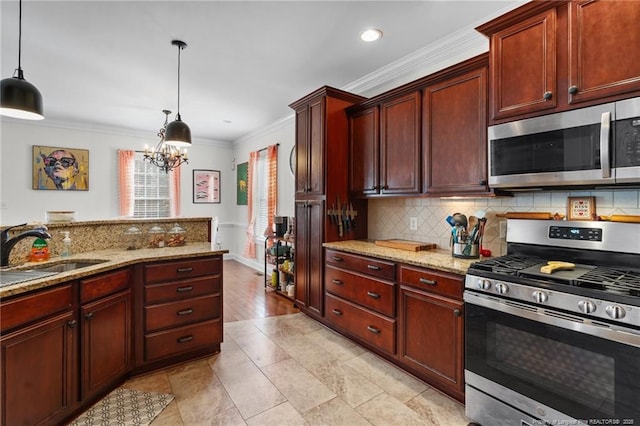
(178, 114)
(19, 70)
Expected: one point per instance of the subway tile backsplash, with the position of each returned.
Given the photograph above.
(389, 217)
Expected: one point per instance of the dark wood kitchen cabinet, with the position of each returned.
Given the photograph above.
(107, 338)
(454, 135)
(364, 145)
(322, 175)
(557, 55)
(180, 311)
(39, 359)
(431, 327)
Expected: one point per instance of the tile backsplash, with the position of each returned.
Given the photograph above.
(389, 217)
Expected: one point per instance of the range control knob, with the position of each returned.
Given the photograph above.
(540, 296)
(615, 311)
(483, 284)
(502, 288)
(586, 306)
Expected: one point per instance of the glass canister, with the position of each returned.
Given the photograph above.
(177, 236)
(155, 237)
(133, 238)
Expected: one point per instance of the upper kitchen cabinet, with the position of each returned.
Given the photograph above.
(385, 145)
(454, 137)
(320, 118)
(555, 55)
(604, 58)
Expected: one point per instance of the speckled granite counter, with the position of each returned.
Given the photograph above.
(436, 259)
(114, 258)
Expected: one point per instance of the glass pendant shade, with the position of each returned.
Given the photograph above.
(178, 133)
(20, 99)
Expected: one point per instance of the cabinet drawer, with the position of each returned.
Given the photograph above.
(370, 327)
(178, 290)
(433, 281)
(183, 312)
(365, 291)
(103, 285)
(32, 307)
(187, 268)
(364, 265)
(184, 339)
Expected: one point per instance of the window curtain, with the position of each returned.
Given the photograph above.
(126, 182)
(126, 166)
(272, 187)
(250, 245)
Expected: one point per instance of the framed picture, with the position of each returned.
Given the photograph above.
(57, 168)
(206, 186)
(243, 180)
(581, 208)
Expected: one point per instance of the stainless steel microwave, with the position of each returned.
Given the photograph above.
(593, 146)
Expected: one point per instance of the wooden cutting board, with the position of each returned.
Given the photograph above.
(622, 218)
(405, 245)
(526, 215)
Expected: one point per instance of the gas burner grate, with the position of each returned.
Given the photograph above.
(618, 280)
(508, 265)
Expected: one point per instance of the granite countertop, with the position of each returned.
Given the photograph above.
(113, 259)
(439, 259)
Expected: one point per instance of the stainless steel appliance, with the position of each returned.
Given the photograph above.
(560, 347)
(595, 146)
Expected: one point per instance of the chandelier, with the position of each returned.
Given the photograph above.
(165, 156)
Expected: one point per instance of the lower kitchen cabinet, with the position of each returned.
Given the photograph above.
(180, 311)
(309, 292)
(39, 362)
(107, 338)
(431, 328)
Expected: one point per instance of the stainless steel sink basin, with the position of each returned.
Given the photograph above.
(67, 266)
(16, 277)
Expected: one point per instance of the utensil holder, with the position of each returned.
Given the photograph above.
(466, 250)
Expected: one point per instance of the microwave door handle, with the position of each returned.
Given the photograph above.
(605, 133)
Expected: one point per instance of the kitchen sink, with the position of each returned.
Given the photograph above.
(67, 266)
(16, 277)
(34, 272)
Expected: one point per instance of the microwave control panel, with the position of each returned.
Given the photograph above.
(628, 138)
(575, 233)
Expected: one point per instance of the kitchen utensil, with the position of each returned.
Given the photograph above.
(460, 219)
(405, 245)
(556, 265)
(472, 225)
(526, 215)
(621, 218)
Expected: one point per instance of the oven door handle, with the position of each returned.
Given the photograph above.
(622, 335)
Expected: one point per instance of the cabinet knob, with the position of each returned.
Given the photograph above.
(547, 96)
(384, 187)
(373, 329)
(308, 189)
(374, 188)
(72, 324)
(89, 315)
(457, 312)
(483, 182)
(573, 90)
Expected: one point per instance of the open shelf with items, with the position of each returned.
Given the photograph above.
(279, 266)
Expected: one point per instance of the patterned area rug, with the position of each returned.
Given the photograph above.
(125, 407)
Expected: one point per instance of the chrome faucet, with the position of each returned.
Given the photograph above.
(7, 243)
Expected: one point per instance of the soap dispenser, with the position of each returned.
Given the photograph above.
(66, 244)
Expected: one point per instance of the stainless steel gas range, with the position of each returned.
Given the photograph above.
(552, 329)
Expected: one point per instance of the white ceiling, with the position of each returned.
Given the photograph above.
(111, 63)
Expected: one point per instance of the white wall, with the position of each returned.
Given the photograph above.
(19, 203)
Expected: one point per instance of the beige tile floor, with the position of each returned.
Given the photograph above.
(290, 370)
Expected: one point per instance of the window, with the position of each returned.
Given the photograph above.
(261, 195)
(151, 196)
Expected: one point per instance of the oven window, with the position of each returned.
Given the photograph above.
(575, 373)
(573, 149)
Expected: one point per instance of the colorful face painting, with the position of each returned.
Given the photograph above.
(60, 168)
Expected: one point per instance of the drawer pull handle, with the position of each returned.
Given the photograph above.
(337, 259)
(185, 312)
(373, 267)
(189, 269)
(185, 339)
(373, 329)
(185, 288)
(337, 312)
(337, 282)
(428, 282)
(374, 295)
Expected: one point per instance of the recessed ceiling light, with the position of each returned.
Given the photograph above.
(226, 121)
(371, 35)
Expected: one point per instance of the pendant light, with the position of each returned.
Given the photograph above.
(18, 97)
(166, 157)
(178, 133)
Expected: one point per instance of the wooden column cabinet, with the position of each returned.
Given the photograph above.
(431, 327)
(454, 136)
(322, 177)
(554, 56)
(107, 337)
(39, 359)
